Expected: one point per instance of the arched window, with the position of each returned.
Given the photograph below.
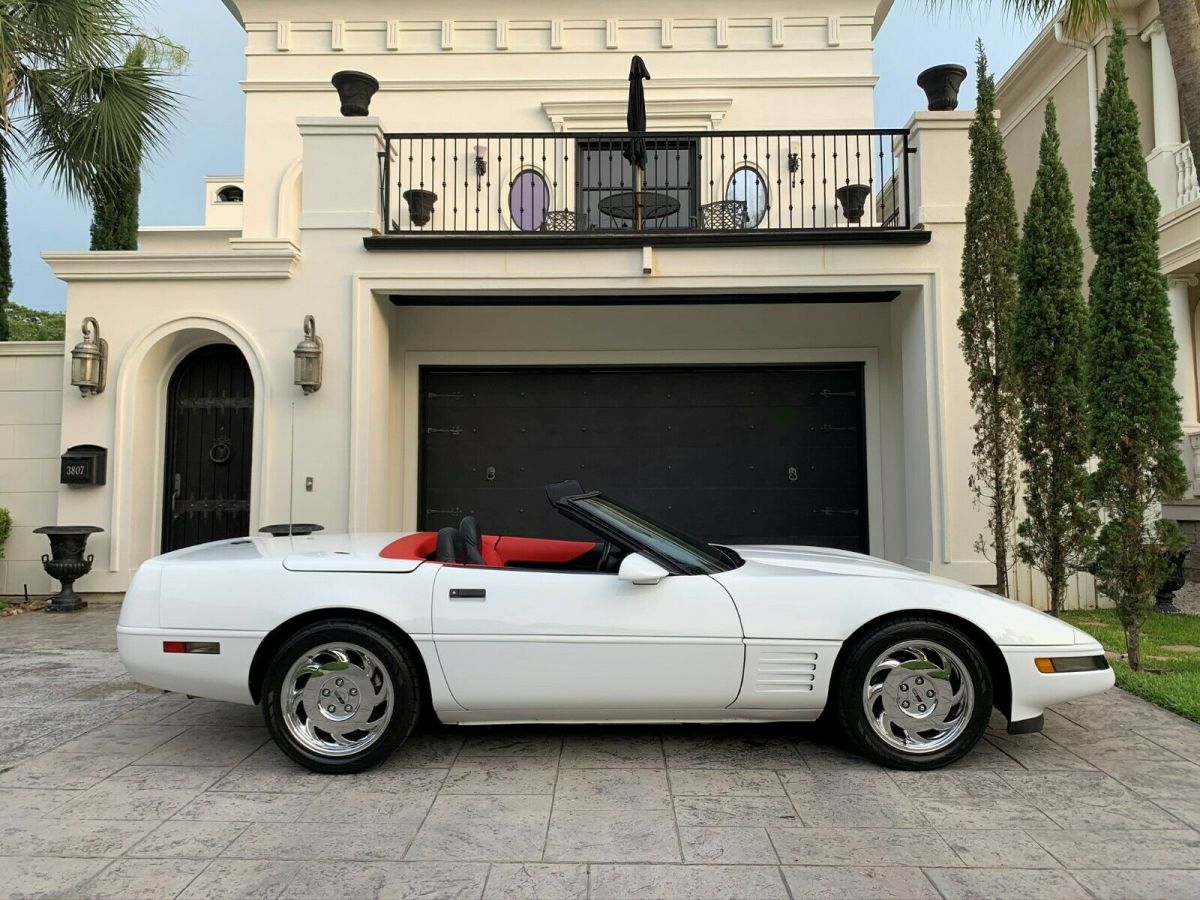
(749, 186)
(528, 200)
(231, 193)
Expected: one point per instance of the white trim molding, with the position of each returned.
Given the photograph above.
(137, 265)
(691, 114)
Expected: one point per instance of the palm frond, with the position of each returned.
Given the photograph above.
(1079, 16)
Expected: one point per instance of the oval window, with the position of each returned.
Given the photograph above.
(748, 185)
(528, 199)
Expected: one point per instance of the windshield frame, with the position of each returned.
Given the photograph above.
(676, 551)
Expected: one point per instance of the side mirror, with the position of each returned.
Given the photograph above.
(636, 569)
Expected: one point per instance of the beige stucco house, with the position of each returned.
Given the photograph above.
(755, 339)
(1071, 70)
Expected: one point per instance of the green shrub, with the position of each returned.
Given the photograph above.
(5, 528)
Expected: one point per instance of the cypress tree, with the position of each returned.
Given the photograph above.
(1135, 414)
(6, 281)
(1049, 346)
(117, 190)
(989, 288)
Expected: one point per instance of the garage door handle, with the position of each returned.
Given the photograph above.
(468, 594)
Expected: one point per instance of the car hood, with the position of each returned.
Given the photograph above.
(823, 560)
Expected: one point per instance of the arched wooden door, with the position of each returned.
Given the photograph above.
(210, 426)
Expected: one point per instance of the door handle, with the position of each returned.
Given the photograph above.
(468, 594)
(175, 493)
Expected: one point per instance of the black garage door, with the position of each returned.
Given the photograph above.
(735, 454)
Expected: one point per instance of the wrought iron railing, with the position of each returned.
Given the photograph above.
(694, 183)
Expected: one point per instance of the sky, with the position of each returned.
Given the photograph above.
(208, 136)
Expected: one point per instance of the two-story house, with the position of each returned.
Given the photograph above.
(753, 338)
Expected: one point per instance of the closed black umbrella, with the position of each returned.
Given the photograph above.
(635, 121)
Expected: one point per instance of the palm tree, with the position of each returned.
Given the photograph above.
(1180, 19)
(69, 104)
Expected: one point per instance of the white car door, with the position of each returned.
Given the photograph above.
(514, 639)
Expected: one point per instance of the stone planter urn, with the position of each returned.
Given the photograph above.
(941, 84)
(65, 562)
(420, 206)
(1164, 600)
(853, 200)
(355, 90)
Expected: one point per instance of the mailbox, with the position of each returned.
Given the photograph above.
(84, 464)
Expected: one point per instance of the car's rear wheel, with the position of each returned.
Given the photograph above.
(914, 694)
(340, 696)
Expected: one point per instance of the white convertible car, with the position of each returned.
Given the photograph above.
(343, 640)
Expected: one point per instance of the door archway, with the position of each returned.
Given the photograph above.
(209, 436)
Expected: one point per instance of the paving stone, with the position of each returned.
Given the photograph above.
(1067, 788)
(272, 780)
(302, 840)
(134, 879)
(118, 740)
(1006, 884)
(617, 882)
(501, 775)
(717, 750)
(1098, 748)
(602, 748)
(115, 799)
(196, 778)
(251, 879)
(1134, 813)
(726, 783)
(388, 780)
(1141, 884)
(427, 750)
(744, 811)
(1009, 848)
(1095, 849)
(954, 814)
(850, 846)
(33, 802)
(802, 785)
(503, 741)
(536, 881)
(612, 836)
(499, 828)
(69, 771)
(1159, 781)
(192, 840)
(388, 881)
(215, 712)
(47, 876)
(367, 806)
(844, 812)
(611, 789)
(954, 785)
(860, 882)
(206, 745)
(153, 711)
(1181, 738)
(727, 845)
(63, 837)
(1037, 752)
(227, 806)
(1184, 809)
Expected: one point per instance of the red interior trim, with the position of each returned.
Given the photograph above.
(422, 545)
(497, 550)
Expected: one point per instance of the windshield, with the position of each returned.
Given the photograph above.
(690, 556)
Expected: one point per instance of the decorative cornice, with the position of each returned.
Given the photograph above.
(138, 265)
(32, 348)
(589, 84)
(701, 113)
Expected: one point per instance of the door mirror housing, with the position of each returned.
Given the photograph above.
(636, 569)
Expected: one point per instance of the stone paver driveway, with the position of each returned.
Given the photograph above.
(110, 792)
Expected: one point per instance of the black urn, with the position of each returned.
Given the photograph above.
(1164, 600)
(65, 562)
(941, 84)
(420, 205)
(853, 200)
(355, 90)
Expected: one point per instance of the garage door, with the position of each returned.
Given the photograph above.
(734, 454)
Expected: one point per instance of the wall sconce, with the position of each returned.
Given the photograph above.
(481, 152)
(308, 355)
(89, 360)
(794, 161)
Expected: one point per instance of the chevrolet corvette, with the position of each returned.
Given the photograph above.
(345, 640)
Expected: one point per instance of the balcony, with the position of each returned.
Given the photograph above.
(1187, 187)
(470, 191)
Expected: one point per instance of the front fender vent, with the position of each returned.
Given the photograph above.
(785, 671)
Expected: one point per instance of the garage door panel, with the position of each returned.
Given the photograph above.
(734, 453)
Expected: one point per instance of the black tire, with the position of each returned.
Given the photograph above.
(395, 664)
(858, 665)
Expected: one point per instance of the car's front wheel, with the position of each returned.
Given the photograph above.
(340, 696)
(914, 694)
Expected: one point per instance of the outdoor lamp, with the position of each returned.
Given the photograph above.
(89, 360)
(308, 358)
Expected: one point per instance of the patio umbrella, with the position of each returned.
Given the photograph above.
(635, 121)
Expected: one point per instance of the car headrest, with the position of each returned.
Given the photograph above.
(468, 530)
(450, 546)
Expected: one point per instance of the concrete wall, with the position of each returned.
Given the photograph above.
(31, 383)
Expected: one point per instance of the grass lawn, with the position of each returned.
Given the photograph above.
(1170, 649)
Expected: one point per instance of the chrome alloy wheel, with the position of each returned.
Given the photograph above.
(337, 699)
(918, 696)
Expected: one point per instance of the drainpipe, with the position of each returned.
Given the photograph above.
(1089, 50)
